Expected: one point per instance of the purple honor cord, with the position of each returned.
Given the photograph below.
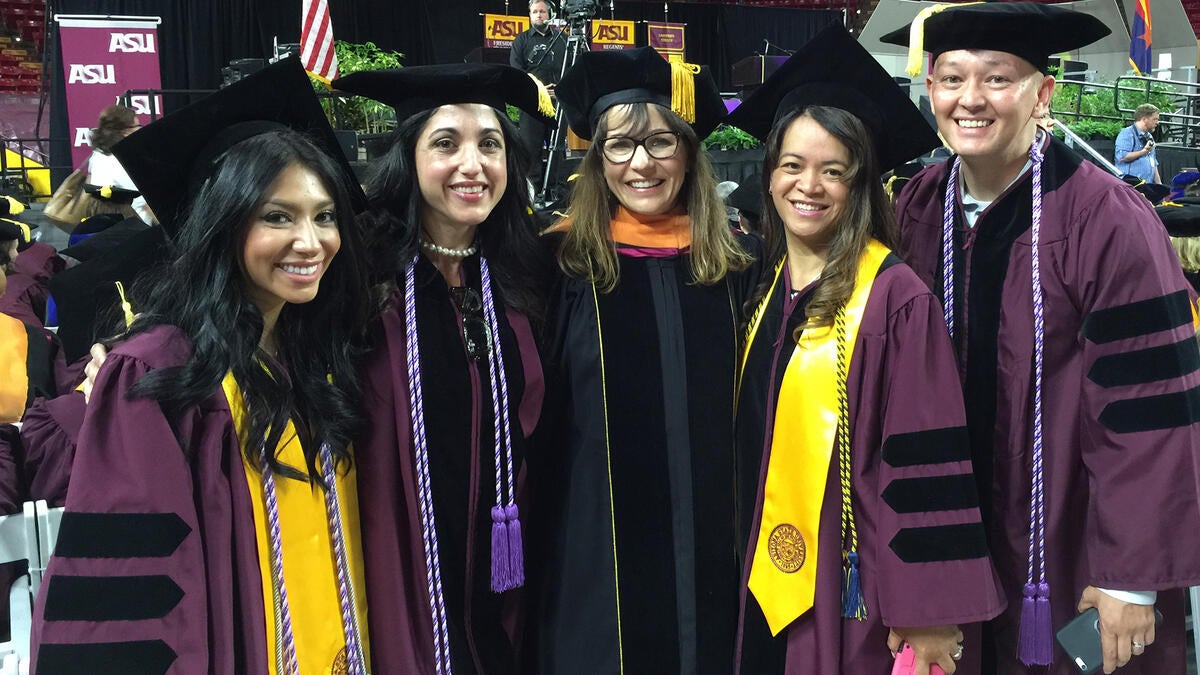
(508, 568)
(1036, 639)
(286, 661)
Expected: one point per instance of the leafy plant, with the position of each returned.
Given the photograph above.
(514, 113)
(360, 113)
(1097, 116)
(726, 137)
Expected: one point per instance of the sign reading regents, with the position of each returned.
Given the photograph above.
(608, 34)
(499, 30)
(103, 59)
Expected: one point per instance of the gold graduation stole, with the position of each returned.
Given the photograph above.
(14, 374)
(783, 570)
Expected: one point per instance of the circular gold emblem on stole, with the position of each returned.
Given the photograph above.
(341, 663)
(786, 548)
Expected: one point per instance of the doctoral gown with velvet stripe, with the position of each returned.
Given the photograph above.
(635, 493)
(1120, 392)
(484, 626)
(921, 547)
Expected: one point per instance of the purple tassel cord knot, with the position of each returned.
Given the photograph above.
(508, 555)
(853, 604)
(1036, 642)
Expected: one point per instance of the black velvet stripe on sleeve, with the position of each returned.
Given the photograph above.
(1146, 365)
(940, 543)
(77, 598)
(1166, 411)
(1137, 318)
(120, 535)
(932, 493)
(933, 446)
(143, 657)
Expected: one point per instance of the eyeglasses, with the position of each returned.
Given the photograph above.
(476, 336)
(659, 145)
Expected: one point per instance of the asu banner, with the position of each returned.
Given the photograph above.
(103, 59)
(499, 30)
(665, 38)
(608, 34)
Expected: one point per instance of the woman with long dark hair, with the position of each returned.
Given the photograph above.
(212, 521)
(454, 384)
(857, 502)
(636, 495)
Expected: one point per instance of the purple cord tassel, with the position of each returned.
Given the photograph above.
(1036, 646)
(501, 556)
(516, 550)
(853, 604)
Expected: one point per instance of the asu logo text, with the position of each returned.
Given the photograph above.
(131, 43)
(92, 74)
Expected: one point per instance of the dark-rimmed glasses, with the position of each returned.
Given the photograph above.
(659, 145)
(476, 337)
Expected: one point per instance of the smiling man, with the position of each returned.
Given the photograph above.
(1075, 341)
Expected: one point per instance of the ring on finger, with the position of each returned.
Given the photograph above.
(958, 653)
(1138, 647)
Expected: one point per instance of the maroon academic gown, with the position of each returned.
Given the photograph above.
(1120, 393)
(483, 626)
(25, 297)
(156, 565)
(921, 544)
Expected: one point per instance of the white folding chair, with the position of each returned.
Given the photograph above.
(48, 522)
(18, 542)
(1194, 622)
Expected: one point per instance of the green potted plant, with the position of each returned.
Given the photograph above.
(370, 119)
(735, 154)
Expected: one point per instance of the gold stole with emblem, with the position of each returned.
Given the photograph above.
(783, 569)
(14, 374)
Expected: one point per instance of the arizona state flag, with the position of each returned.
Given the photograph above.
(1139, 38)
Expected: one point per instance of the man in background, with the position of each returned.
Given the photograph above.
(1134, 149)
(538, 51)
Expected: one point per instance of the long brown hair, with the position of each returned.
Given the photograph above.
(114, 121)
(866, 215)
(588, 251)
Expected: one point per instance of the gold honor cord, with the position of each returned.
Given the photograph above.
(752, 329)
(808, 415)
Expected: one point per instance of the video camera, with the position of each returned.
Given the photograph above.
(578, 11)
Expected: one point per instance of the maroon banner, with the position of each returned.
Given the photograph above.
(666, 38)
(102, 59)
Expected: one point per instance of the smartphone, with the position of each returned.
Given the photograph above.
(1080, 639)
(906, 663)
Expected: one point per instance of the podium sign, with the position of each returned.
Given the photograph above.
(499, 30)
(608, 34)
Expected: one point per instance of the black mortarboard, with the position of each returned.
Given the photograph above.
(417, 88)
(87, 293)
(113, 195)
(601, 79)
(169, 157)
(1155, 192)
(747, 198)
(1181, 217)
(1030, 30)
(105, 241)
(10, 226)
(834, 70)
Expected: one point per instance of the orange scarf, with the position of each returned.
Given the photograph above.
(671, 230)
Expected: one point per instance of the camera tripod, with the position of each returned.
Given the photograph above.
(576, 42)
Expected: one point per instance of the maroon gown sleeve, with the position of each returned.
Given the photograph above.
(127, 584)
(1141, 398)
(49, 433)
(10, 480)
(933, 562)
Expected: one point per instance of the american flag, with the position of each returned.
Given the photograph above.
(316, 41)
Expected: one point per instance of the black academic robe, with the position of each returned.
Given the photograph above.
(1120, 393)
(483, 625)
(638, 567)
(923, 558)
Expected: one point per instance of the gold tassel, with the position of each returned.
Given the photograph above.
(683, 87)
(126, 308)
(106, 192)
(916, 36)
(890, 188)
(14, 207)
(545, 103)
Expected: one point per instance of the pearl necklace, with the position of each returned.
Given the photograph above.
(452, 252)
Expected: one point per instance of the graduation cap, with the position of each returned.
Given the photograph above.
(10, 226)
(900, 177)
(1180, 183)
(1030, 30)
(104, 241)
(87, 293)
(418, 88)
(834, 70)
(1155, 192)
(111, 193)
(747, 198)
(168, 158)
(1181, 218)
(601, 79)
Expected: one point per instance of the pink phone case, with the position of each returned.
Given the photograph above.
(906, 663)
